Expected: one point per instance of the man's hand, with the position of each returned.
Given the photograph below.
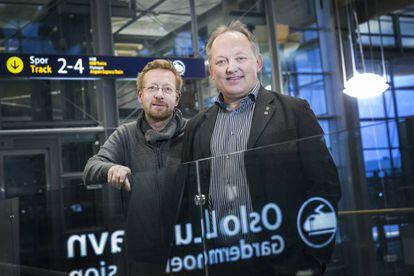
(118, 177)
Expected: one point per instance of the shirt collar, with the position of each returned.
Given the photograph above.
(249, 98)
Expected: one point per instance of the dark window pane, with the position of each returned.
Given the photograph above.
(82, 207)
(76, 150)
(47, 103)
(32, 181)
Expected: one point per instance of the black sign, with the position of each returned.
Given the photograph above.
(88, 67)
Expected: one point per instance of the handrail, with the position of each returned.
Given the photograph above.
(376, 211)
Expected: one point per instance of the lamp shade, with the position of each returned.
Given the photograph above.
(365, 85)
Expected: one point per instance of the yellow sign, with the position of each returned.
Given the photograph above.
(15, 65)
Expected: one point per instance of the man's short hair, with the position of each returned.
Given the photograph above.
(160, 64)
(234, 26)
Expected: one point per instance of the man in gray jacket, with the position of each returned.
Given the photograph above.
(153, 141)
(140, 156)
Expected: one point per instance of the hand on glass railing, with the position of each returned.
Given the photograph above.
(118, 177)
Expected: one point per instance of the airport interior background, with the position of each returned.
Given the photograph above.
(49, 127)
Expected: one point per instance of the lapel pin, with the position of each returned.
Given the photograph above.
(267, 108)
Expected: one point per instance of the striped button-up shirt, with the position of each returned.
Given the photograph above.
(229, 190)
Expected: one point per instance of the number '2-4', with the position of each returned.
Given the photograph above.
(64, 67)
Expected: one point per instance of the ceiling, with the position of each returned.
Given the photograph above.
(158, 18)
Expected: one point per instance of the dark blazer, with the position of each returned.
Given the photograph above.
(287, 162)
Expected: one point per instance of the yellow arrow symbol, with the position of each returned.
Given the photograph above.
(14, 65)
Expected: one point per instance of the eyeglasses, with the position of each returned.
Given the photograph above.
(155, 88)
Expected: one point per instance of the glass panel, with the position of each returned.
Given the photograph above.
(76, 151)
(32, 181)
(376, 40)
(47, 103)
(253, 210)
(389, 104)
(374, 135)
(127, 99)
(396, 157)
(315, 95)
(37, 28)
(406, 26)
(326, 129)
(407, 42)
(392, 128)
(403, 79)
(308, 61)
(377, 162)
(310, 35)
(82, 230)
(405, 102)
(371, 107)
(164, 32)
(374, 27)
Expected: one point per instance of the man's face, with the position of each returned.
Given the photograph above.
(158, 105)
(234, 66)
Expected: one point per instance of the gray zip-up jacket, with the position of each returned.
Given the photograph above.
(153, 200)
(127, 146)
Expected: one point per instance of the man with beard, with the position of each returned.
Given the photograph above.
(136, 156)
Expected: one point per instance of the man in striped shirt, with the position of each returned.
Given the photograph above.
(245, 172)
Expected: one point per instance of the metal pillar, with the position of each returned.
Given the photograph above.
(107, 101)
(277, 81)
(196, 52)
(103, 45)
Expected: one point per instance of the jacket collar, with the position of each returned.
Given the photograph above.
(266, 107)
(264, 110)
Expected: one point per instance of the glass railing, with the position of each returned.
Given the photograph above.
(272, 210)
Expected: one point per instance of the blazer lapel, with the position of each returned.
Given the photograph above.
(263, 111)
(206, 130)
